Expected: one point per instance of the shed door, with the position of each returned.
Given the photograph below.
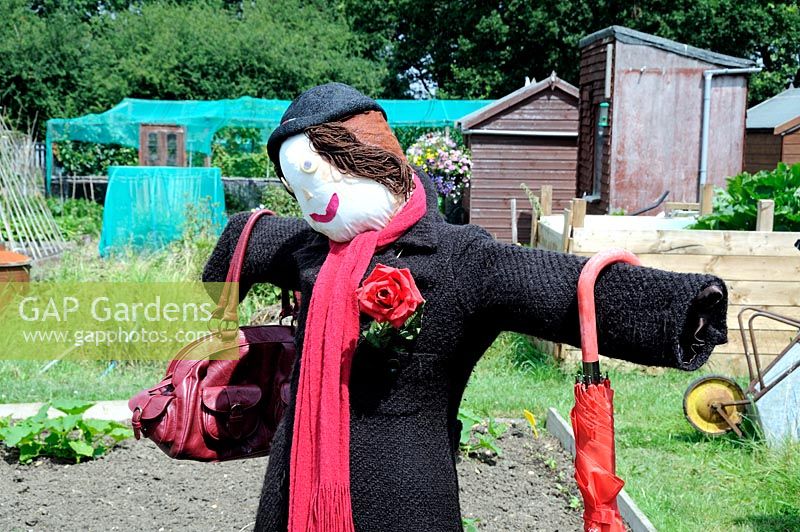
(162, 145)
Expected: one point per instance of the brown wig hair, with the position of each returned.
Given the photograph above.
(340, 147)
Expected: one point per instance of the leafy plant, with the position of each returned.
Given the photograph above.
(277, 199)
(240, 152)
(736, 207)
(77, 217)
(484, 437)
(87, 158)
(470, 524)
(69, 437)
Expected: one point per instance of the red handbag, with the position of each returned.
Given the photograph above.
(212, 409)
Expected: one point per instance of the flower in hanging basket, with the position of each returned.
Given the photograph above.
(391, 297)
(448, 165)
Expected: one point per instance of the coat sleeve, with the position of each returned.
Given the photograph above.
(269, 257)
(646, 316)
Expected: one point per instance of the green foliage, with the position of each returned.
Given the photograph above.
(240, 152)
(736, 207)
(77, 217)
(485, 49)
(470, 524)
(479, 434)
(87, 158)
(69, 437)
(536, 204)
(74, 59)
(277, 199)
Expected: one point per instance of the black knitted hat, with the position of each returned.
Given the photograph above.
(324, 103)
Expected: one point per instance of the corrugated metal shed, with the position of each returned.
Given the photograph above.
(530, 137)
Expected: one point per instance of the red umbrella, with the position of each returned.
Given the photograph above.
(593, 413)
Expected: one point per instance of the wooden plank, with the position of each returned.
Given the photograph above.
(548, 238)
(688, 242)
(522, 143)
(770, 341)
(578, 212)
(534, 163)
(733, 365)
(729, 267)
(670, 206)
(547, 200)
(506, 187)
(566, 231)
(765, 215)
(514, 234)
(764, 292)
(495, 156)
(707, 199)
(792, 312)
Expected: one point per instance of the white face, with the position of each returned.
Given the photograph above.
(337, 205)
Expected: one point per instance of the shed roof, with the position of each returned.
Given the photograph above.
(775, 112)
(629, 36)
(483, 114)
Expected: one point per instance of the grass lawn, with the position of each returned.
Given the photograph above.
(681, 479)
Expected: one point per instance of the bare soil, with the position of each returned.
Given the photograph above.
(136, 487)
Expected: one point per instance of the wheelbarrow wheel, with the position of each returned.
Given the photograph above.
(701, 397)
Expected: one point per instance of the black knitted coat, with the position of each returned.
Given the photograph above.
(403, 426)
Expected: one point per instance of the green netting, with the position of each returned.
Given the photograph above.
(202, 119)
(146, 207)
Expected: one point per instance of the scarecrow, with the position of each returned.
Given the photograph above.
(397, 308)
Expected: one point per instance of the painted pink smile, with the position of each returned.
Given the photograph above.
(330, 211)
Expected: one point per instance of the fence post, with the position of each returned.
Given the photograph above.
(566, 233)
(766, 215)
(547, 200)
(578, 212)
(706, 199)
(514, 239)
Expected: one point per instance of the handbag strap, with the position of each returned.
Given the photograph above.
(229, 298)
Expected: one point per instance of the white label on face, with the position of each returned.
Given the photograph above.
(337, 205)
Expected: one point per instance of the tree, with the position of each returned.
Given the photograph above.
(474, 49)
(65, 63)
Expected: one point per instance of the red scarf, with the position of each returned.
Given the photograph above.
(319, 475)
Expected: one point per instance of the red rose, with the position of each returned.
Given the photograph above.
(389, 294)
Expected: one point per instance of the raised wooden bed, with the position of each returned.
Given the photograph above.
(761, 268)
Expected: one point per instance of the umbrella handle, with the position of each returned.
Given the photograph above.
(586, 308)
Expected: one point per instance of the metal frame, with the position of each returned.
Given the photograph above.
(757, 388)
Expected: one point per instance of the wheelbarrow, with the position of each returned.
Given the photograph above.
(715, 404)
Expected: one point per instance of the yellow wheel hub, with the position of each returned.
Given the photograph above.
(701, 397)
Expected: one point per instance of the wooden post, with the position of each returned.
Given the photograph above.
(547, 200)
(578, 212)
(514, 239)
(566, 234)
(706, 199)
(766, 215)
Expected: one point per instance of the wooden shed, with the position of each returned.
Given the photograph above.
(773, 132)
(528, 136)
(646, 103)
